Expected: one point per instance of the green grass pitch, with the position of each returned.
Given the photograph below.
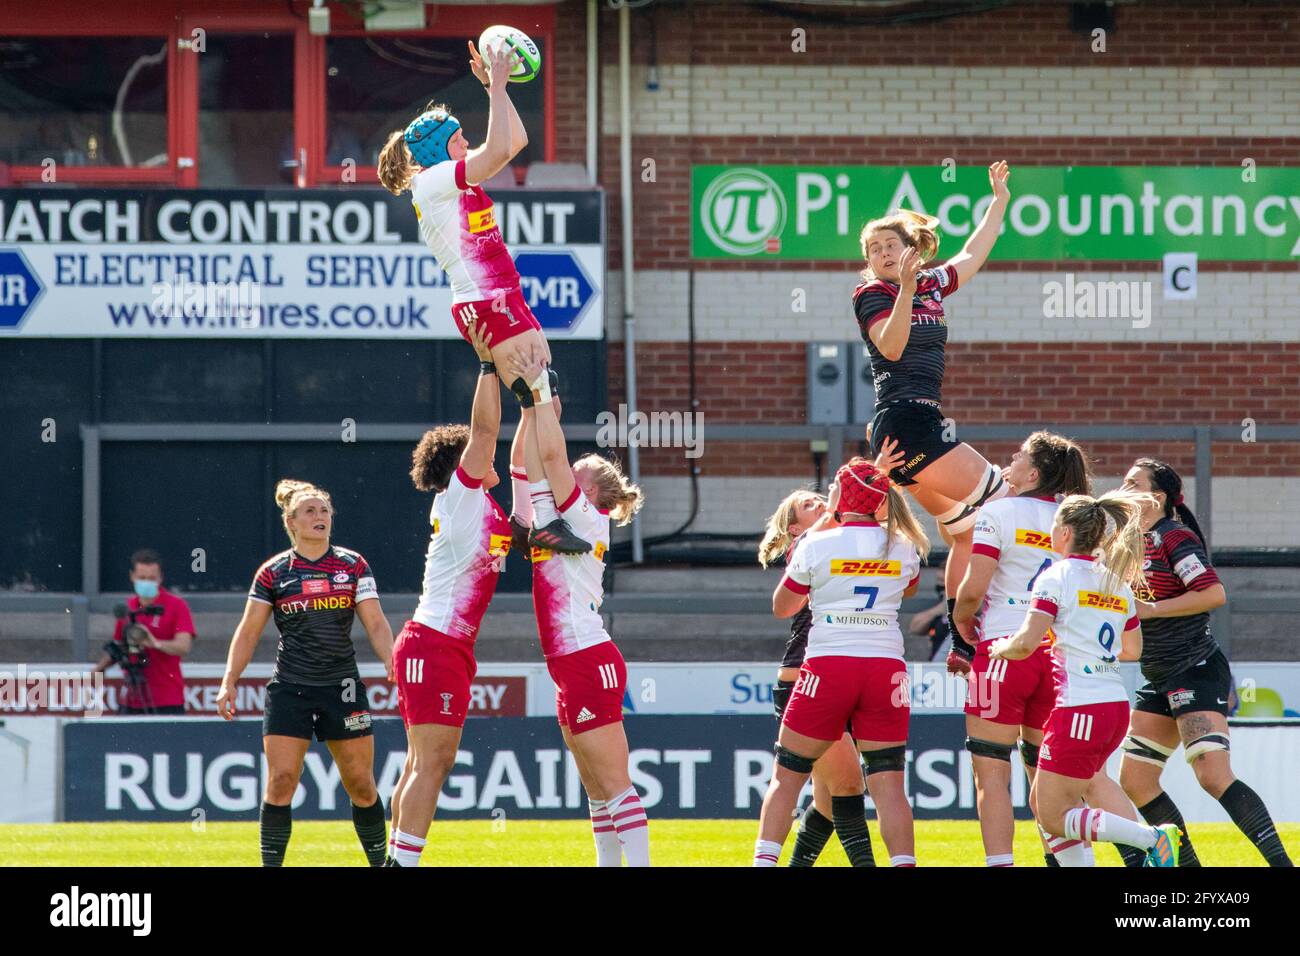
(527, 843)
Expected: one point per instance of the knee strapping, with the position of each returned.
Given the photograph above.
(962, 517)
(1029, 753)
(886, 760)
(987, 748)
(793, 761)
(1146, 750)
(1207, 744)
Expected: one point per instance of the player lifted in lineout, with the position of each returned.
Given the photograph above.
(432, 159)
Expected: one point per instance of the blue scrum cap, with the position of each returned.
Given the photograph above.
(428, 135)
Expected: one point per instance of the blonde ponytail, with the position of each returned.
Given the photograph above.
(902, 523)
(397, 167)
(776, 535)
(1111, 525)
(614, 493)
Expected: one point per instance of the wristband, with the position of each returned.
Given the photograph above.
(487, 368)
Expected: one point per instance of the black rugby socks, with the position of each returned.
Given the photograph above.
(275, 826)
(1163, 810)
(847, 814)
(814, 831)
(1252, 818)
(371, 831)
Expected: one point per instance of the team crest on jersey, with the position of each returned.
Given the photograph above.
(1035, 539)
(857, 566)
(482, 220)
(499, 545)
(1103, 602)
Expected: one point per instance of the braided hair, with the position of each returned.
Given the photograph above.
(1165, 479)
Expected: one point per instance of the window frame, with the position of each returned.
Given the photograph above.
(176, 19)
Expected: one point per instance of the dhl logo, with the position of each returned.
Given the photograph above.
(881, 569)
(482, 220)
(499, 544)
(539, 554)
(418, 215)
(1103, 602)
(437, 525)
(1035, 539)
(599, 550)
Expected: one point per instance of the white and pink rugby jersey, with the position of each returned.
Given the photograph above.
(458, 224)
(467, 552)
(1017, 533)
(1088, 624)
(568, 589)
(855, 586)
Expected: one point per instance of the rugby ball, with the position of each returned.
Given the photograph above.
(530, 57)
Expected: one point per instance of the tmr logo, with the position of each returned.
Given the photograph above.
(1104, 602)
(19, 289)
(885, 569)
(76, 909)
(556, 288)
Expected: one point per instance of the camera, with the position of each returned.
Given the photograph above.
(131, 653)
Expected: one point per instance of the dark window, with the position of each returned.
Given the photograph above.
(374, 85)
(246, 110)
(83, 101)
(218, 380)
(367, 381)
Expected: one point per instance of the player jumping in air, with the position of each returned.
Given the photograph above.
(314, 589)
(568, 589)
(854, 578)
(432, 159)
(1188, 682)
(1089, 607)
(838, 767)
(900, 312)
(434, 656)
(1011, 699)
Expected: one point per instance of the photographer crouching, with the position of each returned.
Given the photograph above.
(154, 631)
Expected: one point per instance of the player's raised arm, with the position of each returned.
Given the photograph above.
(486, 161)
(891, 335)
(975, 253)
(518, 134)
(485, 416)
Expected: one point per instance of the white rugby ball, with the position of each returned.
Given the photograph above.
(530, 57)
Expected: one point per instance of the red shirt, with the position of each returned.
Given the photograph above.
(162, 673)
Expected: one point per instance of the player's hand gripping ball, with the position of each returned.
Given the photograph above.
(530, 57)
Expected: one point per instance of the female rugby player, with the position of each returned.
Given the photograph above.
(799, 512)
(1011, 699)
(1188, 682)
(314, 589)
(434, 655)
(1086, 601)
(433, 160)
(854, 577)
(589, 673)
(899, 307)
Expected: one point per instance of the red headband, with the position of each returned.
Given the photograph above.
(862, 488)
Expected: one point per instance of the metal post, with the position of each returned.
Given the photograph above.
(90, 516)
(1205, 484)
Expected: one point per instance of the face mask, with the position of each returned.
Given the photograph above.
(146, 590)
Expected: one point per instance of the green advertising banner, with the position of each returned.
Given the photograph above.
(1056, 212)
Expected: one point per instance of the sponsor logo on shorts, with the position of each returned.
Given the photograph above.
(1181, 697)
(482, 220)
(608, 676)
(1044, 752)
(856, 566)
(446, 702)
(807, 684)
(1103, 602)
(1080, 726)
(997, 669)
(357, 720)
(584, 715)
(414, 670)
(912, 463)
(1034, 539)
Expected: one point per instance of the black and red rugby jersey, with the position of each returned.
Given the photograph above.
(1175, 562)
(918, 373)
(315, 602)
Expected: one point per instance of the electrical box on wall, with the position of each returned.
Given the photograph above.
(862, 385)
(828, 381)
(395, 15)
